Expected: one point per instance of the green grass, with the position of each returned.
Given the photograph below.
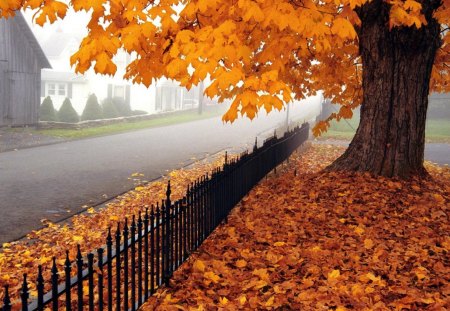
(437, 131)
(128, 126)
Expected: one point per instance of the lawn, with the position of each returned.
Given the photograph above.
(437, 130)
(129, 126)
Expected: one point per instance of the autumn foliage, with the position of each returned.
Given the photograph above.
(323, 241)
(88, 230)
(260, 54)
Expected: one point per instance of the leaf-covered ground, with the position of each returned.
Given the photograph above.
(324, 241)
(88, 229)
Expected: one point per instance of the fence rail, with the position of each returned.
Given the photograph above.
(142, 255)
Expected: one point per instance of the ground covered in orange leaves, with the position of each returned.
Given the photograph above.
(324, 241)
(89, 229)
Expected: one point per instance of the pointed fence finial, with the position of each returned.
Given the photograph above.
(168, 192)
(24, 295)
(7, 300)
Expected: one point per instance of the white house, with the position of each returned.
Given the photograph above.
(61, 81)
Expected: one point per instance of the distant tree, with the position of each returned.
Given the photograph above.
(47, 112)
(67, 114)
(123, 108)
(109, 109)
(92, 110)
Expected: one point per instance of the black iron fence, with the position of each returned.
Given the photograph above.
(142, 255)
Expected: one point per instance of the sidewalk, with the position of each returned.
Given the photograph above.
(14, 139)
(323, 241)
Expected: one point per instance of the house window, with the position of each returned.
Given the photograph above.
(57, 89)
(51, 89)
(119, 91)
(62, 89)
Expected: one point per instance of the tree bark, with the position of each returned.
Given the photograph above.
(397, 63)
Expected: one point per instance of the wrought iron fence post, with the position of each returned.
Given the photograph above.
(6, 300)
(168, 247)
(24, 295)
(165, 237)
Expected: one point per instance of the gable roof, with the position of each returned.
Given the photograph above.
(58, 42)
(26, 30)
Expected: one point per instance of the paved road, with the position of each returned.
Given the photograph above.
(46, 181)
(438, 153)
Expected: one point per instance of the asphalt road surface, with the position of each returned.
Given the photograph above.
(48, 181)
(55, 181)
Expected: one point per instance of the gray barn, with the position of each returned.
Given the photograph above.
(21, 60)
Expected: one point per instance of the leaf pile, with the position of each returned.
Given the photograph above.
(88, 229)
(324, 241)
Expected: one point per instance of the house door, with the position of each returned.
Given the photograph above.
(24, 104)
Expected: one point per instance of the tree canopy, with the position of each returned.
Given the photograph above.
(260, 54)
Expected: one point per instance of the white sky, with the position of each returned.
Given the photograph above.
(74, 22)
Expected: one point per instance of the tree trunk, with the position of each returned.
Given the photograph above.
(397, 64)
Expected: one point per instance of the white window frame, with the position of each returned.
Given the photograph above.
(53, 88)
(50, 89)
(124, 92)
(64, 88)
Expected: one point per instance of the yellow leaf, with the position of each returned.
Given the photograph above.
(43, 260)
(199, 266)
(438, 197)
(114, 218)
(279, 243)
(412, 5)
(242, 300)
(421, 272)
(369, 290)
(427, 300)
(359, 230)
(212, 276)
(223, 301)
(91, 210)
(169, 299)
(77, 238)
(357, 290)
(104, 64)
(334, 274)
(343, 28)
(368, 243)
(86, 290)
(262, 273)
(241, 263)
(269, 302)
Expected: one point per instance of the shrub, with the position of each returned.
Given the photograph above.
(138, 112)
(46, 111)
(109, 109)
(67, 114)
(92, 110)
(122, 107)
